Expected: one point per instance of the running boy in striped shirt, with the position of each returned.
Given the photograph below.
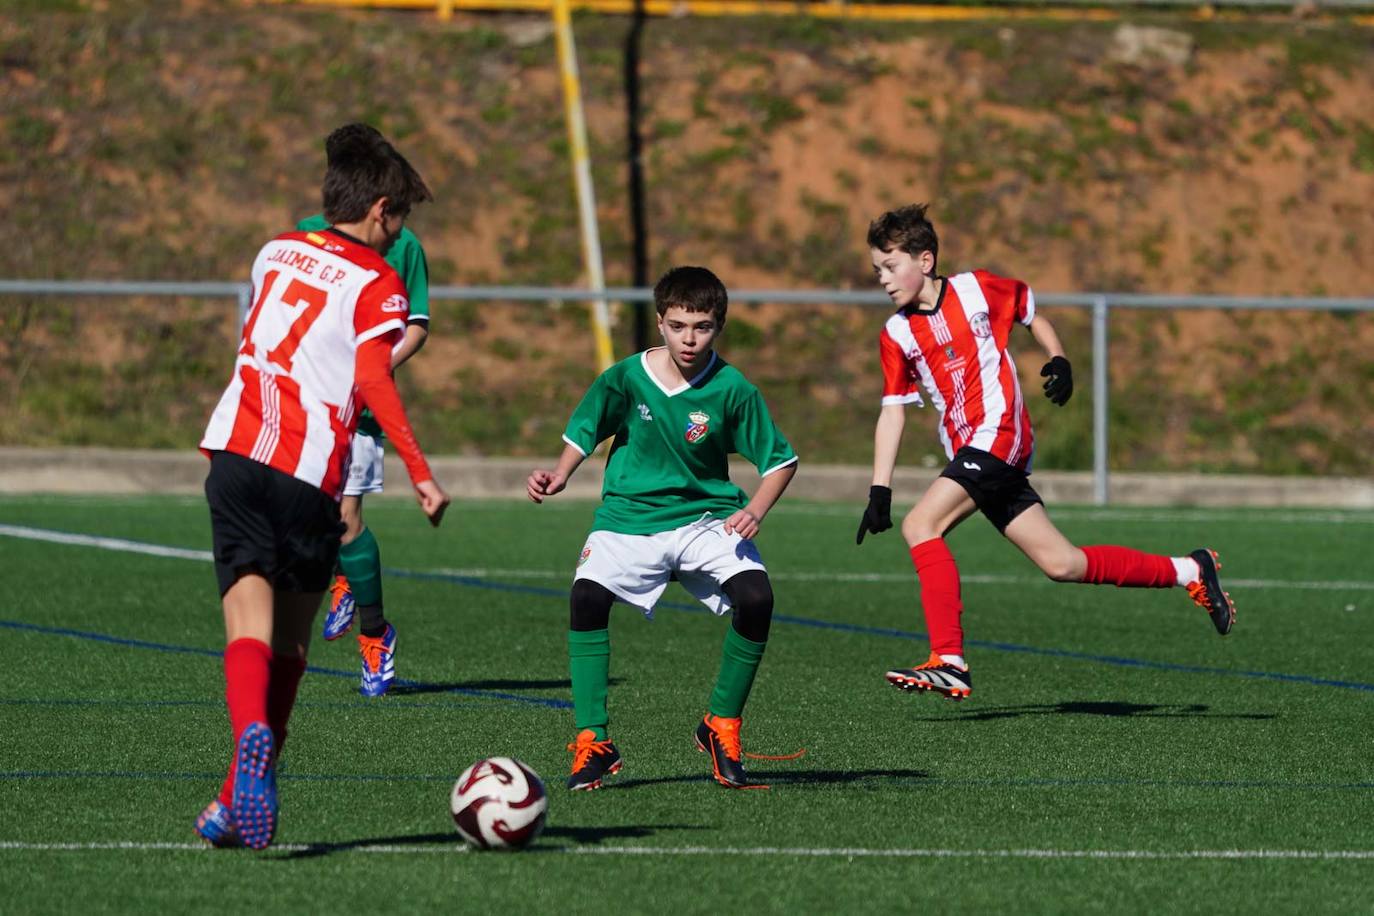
(669, 510)
(357, 589)
(949, 336)
(327, 312)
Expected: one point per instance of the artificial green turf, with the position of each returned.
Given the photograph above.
(1102, 719)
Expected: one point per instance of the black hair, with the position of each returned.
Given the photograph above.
(695, 289)
(907, 229)
(362, 166)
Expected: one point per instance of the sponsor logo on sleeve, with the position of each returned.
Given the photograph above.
(699, 424)
(396, 303)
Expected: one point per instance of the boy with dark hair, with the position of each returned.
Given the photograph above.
(327, 311)
(357, 589)
(669, 510)
(949, 335)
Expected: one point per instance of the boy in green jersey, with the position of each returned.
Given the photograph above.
(669, 510)
(358, 587)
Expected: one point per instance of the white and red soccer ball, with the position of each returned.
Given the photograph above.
(499, 803)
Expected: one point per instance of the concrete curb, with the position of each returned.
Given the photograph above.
(103, 470)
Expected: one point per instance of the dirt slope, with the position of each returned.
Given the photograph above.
(1224, 158)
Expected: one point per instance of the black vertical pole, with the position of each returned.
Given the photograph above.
(638, 231)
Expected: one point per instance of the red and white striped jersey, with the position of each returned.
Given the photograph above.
(958, 353)
(292, 403)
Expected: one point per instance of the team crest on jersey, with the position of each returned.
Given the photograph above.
(698, 426)
(586, 554)
(949, 352)
(396, 303)
(980, 325)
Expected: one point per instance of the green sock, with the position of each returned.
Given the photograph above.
(589, 665)
(361, 562)
(739, 662)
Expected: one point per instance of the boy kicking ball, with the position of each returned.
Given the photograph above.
(949, 336)
(669, 510)
(316, 347)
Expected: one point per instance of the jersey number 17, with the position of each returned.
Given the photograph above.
(297, 293)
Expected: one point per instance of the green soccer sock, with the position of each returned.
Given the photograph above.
(361, 562)
(589, 665)
(739, 662)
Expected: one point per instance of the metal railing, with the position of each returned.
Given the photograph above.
(846, 10)
(1099, 303)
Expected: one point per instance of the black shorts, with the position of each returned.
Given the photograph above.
(268, 522)
(1001, 492)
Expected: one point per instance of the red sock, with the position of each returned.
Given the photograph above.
(287, 671)
(247, 675)
(1125, 567)
(939, 576)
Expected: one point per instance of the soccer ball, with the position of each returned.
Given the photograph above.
(499, 803)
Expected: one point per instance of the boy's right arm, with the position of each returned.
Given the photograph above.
(595, 418)
(887, 438)
(542, 483)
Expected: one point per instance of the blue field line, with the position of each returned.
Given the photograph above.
(476, 582)
(392, 703)
(177, 777)
(893, 633)
(906, 782)
(331, 672)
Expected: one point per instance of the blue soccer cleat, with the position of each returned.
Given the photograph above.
(341, 607)
(379, 662)
(255, 786)
(217, 828)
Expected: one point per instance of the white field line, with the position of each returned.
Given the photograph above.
(86, 540)
(483, 572)
(1138, 514)
(753, 851)
(1161, 515)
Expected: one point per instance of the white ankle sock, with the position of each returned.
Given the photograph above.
(1186, 570)
(954, 660)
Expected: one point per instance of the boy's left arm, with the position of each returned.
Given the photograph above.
(1058, 374)
(757, 438)
(417, 332)
(414, 272)
(746, 521)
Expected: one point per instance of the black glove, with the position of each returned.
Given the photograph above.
(878, 515)
(1059, 386)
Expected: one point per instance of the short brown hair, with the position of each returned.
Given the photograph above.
(362, 167)
(907, 229)
(695, 289)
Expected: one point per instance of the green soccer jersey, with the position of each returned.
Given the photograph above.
(407, 257)
(669, 463)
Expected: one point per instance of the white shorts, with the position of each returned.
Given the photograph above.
(636, 567)
(364, 466)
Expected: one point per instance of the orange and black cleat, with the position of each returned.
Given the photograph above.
(719, 737)
(593, 758)
(1207, 593)
(937, 675)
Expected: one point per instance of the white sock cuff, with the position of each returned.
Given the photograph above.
(1186, 570)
